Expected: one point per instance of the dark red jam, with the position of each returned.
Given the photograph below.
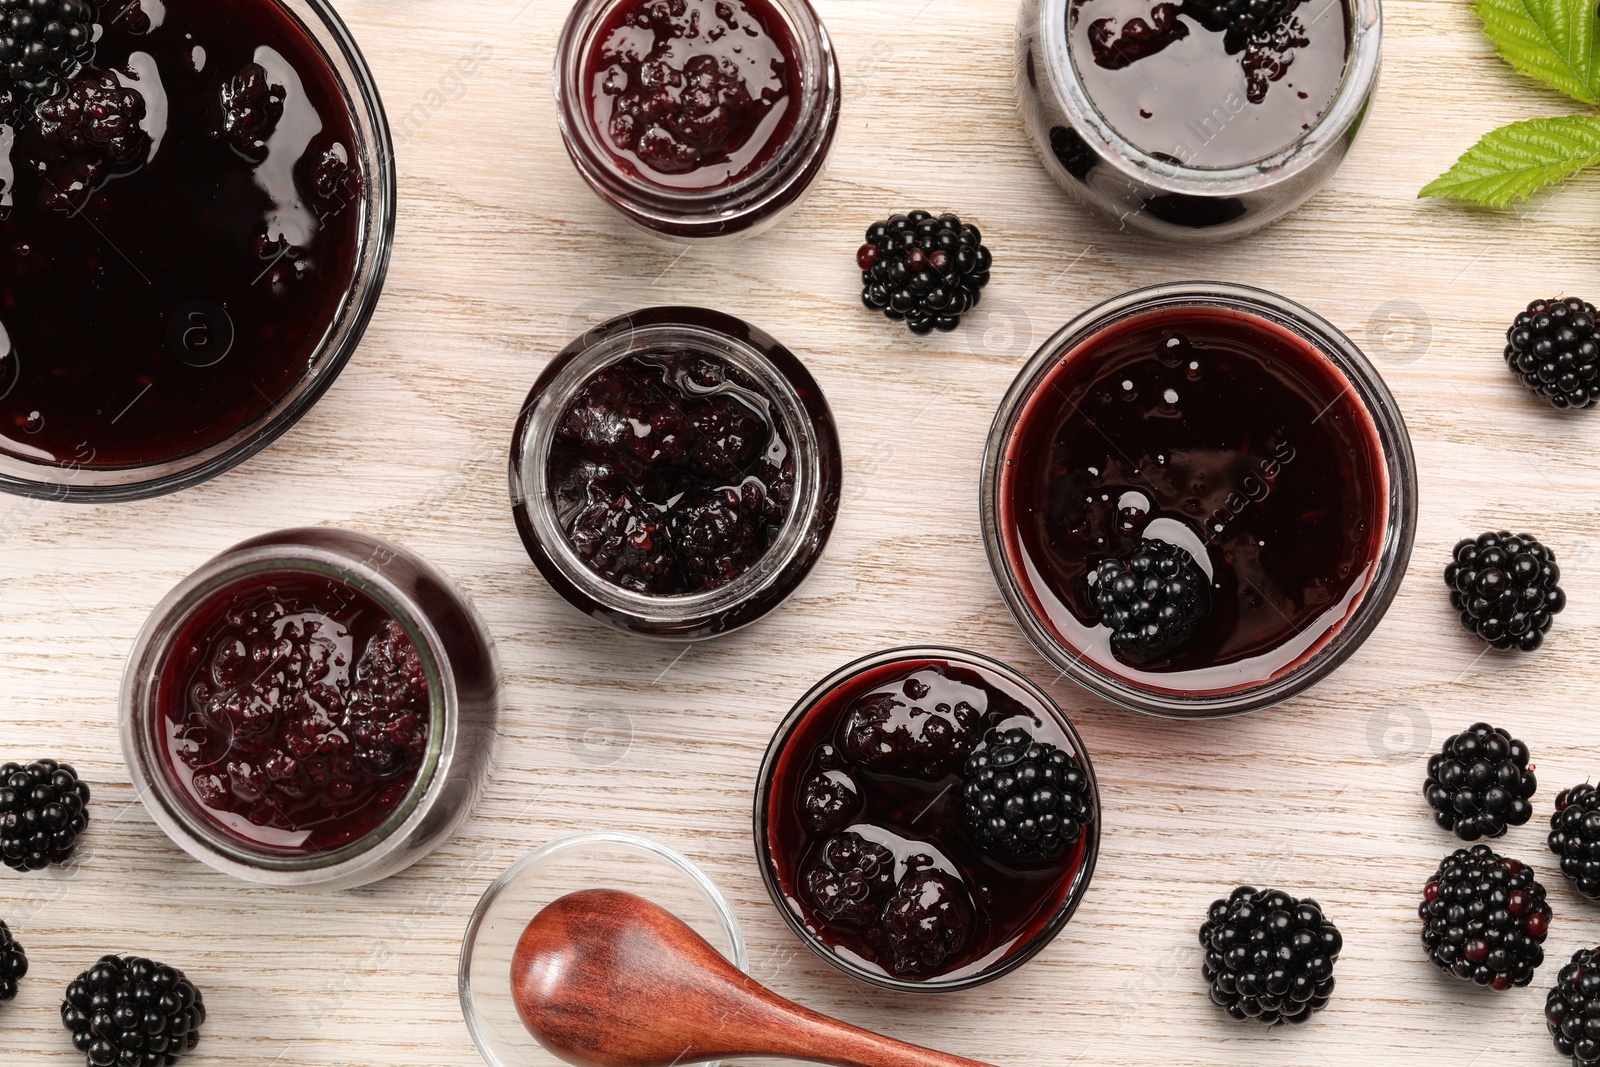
(179, 226)
(297, 712)
(694, 94)
(1176, 85)
(671, 473)
(871, 832)
(1222, 433)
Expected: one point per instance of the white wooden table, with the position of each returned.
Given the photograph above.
(502, 255)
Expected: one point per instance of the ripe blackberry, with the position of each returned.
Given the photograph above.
(924, 270)
(1484, 918)
(1572, 1009)
(1505, 589)
(1554, 348)
(43, 42)
(1480, 784)
(1239, 17)
(43, 810)
(1026, 800)
(132, 1012)
(854, 879)
(13, 963)
(1575, 837)
(1152, 600)
(1268, 956)
(902, 731)
(928, 920)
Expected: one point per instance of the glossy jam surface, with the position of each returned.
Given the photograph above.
(1223, 433)
(671, 473)
(178, 232)
(693, 95)
(1203, 97)
(883, 757)
(296, 711)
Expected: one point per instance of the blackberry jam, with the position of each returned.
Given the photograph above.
(1237, 428)
(675, 472)
(927, 820)
(190, 252)
(311, 708)
(698, 119)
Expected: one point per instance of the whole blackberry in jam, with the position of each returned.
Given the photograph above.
(1239, 17)
(93, 131)
(831, 799)
(1026, 801)
(1484, 918)
(924, 270)
(925, 728)
(854, 879)
(1481, 783)
(623, 538)
(1268, 956)
(133, 1012)
(1506, 589)
(1554, 348)
(43, 42)
(251, 109)
(1575, 837)
(1152, 600)
(44, 808)
(13, 963)
(718, 533)
(928, 920)
(1572, 1009)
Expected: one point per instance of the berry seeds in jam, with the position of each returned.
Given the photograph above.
(297, 712)
(693, 95)
(1210, 83)
(927, 820)
(179, 225)
(671, 473)
(1220, 433)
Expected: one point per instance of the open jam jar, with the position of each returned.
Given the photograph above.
(1195, 119)
(1198, 499)
(698, 118)
(927, 819)
(196, 226)
(311, 708)
(675, 472)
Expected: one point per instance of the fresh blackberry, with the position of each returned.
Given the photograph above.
(924, 270)
(1480, 783)
(1268, 956)
(831, 799)
(132, 1012)
(928, 920)
(1484, 918)
(854, 879)
(43, 42)
(1152, 600)
(1239, 17)
(901, 731)
(1026, 800)
(1572, 1009)
(1554, 348)
(43, 810)
(13, 963)
(1505, 589)
(1575, 837)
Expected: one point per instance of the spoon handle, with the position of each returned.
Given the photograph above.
(820, 1039)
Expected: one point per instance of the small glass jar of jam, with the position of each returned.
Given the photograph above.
(312, 708)
(697, 118)
(675, 472)
(1195, 120)
(1198, 499)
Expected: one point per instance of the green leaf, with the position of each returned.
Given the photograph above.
(1551, 40)
(1516, 161)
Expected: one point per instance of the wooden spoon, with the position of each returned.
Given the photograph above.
(607, 979)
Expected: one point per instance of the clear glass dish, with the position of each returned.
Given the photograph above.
(599, 860)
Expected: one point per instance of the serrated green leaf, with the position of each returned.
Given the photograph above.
(1516, 161)
(1554, 41)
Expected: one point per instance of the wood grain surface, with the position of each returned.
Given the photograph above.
(503, 255)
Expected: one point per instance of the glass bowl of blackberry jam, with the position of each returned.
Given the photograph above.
(675, 473)
(312, 708)
(1198, 499)
(196, 222)
(1195, 120)
(698, 119)
(926, 819)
